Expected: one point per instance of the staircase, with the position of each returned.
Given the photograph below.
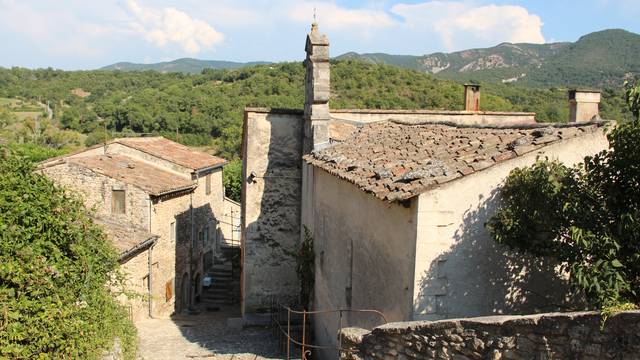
(225, 275)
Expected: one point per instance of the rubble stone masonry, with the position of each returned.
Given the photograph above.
(577, 335)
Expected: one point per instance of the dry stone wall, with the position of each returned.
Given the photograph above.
(539, 337)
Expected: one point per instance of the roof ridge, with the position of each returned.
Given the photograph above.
(523, 126)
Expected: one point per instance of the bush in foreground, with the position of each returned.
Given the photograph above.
(587, 217)
(55, 272)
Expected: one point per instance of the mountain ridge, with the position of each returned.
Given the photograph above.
(601, 58)
(598, 59)
(186, 65)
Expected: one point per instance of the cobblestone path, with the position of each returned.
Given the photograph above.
(204, 336)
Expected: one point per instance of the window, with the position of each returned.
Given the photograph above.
(118, 201)
(206, 235)
(208, 184)
(200, 238)
(172, 231)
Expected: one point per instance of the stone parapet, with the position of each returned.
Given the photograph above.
(578, 335)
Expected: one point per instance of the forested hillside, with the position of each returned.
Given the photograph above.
(206, 109)
(599, 59)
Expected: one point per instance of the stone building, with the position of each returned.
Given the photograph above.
(159, 203)
(396, 201)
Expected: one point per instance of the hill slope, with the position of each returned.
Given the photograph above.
(185, 65)
(207, 108)
(598, 59)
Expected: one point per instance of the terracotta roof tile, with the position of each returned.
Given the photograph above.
(172, 151)
(123, 235)
(149, 178)
(396, 161)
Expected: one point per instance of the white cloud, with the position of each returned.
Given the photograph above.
(172, 26)
(334, 17)
(462, 24)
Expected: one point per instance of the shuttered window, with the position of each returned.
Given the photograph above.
(118, 202)
(208, 184)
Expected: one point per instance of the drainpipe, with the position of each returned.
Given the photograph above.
(191, 249)
(150, 265)
(150, 280)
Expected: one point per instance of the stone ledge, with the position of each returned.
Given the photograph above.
(575, 335)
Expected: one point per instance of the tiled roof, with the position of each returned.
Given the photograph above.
(397, 161)
(149, 178)
(172, 151)
(125, 237)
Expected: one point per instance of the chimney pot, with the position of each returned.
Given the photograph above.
(583, 105)
(472, 97)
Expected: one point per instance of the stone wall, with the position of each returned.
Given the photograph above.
(540, 337)
(96, 191)
(476, 118)
(271, 191)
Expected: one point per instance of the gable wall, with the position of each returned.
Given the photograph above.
(272, 149)
(364, 251)
(96, 191)
(460, 271)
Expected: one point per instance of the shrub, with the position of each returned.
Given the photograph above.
(588, 217)
(55, 272)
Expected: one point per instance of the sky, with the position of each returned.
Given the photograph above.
(88, 34)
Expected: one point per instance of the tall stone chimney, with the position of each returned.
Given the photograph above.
(472, 97)
(583, 105)
(317, 91)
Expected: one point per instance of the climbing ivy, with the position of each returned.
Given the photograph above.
(56, 272)
(305, 260)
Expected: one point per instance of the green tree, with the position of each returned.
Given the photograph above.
(232, 179)
(55, 268)
(587, 217)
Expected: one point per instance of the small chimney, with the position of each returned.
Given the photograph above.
(583, 105)
(472, 97)
(317, 91)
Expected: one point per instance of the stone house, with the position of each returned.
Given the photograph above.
(159, 203)
(396, 201)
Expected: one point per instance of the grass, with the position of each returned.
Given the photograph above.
(21, 109)
(27, 114)
(7, 102)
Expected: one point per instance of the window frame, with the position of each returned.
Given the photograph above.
(115, 199)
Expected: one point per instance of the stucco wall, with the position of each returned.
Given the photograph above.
(229, 224)
(560, 336)
(460, 271)
(363, 250)
(208, 210)
(459, 117)
(272, 148)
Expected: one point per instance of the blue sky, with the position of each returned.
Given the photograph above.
(80, 34)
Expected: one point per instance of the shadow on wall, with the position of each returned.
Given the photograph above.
(477, 276)
(187, 289)
(198, 325)
(272, 190)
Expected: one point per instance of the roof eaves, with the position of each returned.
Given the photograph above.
(138, 248)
